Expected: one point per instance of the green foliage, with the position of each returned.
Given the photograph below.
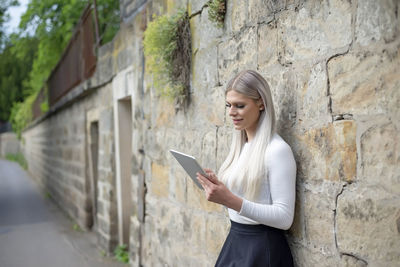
(19, 158)
(44, 106)
(160, 49)
(216, 11)
(47, 195)
(5, 17)
(121, 254)
(21, 114)
(76, 227)
(15, 66)
(45, 29)
(53, 22)
(109, 19)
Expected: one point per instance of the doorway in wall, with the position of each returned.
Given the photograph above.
(124, 167)
(93, 167)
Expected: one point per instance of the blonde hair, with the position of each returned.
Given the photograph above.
(252, 170)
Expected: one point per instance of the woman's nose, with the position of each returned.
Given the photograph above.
(232, 111)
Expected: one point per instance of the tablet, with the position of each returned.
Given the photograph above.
(190, 165)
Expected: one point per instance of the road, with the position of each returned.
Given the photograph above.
(34, 232)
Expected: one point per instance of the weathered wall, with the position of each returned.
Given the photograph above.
(57, 149)
(334, 71)
(9, 144)
(333, 67)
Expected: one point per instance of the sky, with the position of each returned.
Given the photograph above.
(15, 15)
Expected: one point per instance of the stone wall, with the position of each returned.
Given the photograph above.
(9, 144)
(333, 68)
(58, 150)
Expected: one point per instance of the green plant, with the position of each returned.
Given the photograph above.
(216, 11)
(167, 49)
(47, 195)
(21, 114)
(121, 254)
(76, 227)
(19, 158)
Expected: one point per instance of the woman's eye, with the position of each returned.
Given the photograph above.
(240, 106)
(227, 105)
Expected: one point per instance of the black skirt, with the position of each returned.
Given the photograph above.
(255, 246)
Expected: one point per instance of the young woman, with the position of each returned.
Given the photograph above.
(257, 180)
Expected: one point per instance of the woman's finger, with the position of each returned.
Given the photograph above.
(213, 178)
(203, 180)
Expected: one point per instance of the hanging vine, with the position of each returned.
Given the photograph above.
(167, 50)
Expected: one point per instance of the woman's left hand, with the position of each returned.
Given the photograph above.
(217, 192)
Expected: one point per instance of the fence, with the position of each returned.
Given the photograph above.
(78, 62)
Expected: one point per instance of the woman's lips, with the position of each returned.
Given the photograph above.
(236, 121)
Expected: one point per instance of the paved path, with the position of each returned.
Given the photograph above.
(34, 233)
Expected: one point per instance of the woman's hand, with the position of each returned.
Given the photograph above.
(217, 192)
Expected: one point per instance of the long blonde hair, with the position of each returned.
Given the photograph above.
(248, 178)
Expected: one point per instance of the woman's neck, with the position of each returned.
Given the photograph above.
(250, 135)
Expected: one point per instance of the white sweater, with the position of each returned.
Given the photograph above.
(275, 204)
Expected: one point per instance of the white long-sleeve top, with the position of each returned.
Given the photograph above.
(274, 206)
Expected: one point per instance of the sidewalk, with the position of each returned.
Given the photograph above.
(35, 233)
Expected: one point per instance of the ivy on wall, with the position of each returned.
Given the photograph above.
(167, 50)
(216, 11)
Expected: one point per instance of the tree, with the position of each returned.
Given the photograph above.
(4, 17)
(49, 24)
(14, 70)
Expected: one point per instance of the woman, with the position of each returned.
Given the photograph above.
(257, 180)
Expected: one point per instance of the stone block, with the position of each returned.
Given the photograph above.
(204, 77)
(208, 150)
(331, 152)
(267, 45)
(313, 101)
(159, 180)
(106, 122)
(196, 5)
(284, 84)
(352, 261)
(297, 229)
(305, 255)
(216, 232)
(375, 21)
(319, 222)
(196, 229)
(236, 54)
(380, 155)
(134, 245)
(180, 179)
(366, 224)
(365, 84)
(164, 114)
(205, 33)
(264, 11)
(308, 34)
(236, 15)
(196, 199)
(207, 111)
(129, 8)
(224, 139)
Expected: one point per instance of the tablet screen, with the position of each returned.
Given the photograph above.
(190, 165)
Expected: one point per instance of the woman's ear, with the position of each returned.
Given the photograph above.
(261, 105)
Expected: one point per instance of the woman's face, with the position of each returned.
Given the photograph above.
(244, 111)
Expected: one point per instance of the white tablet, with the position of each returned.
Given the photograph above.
(190, 165)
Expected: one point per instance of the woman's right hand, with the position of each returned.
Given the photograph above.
(217, 192)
